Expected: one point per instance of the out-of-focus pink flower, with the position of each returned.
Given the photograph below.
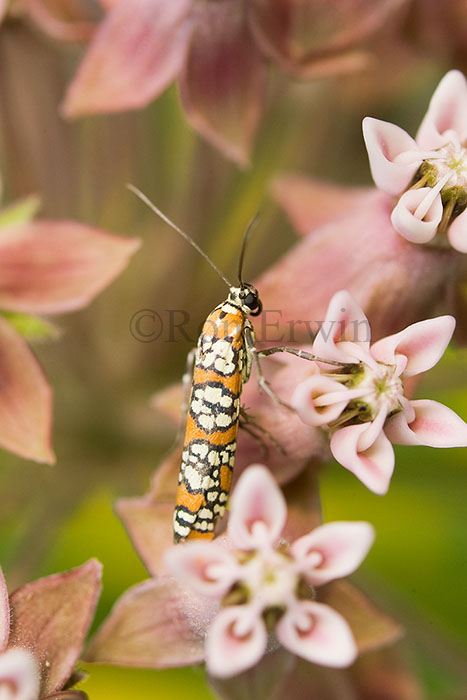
(219, 51)
(363, 403)
(40, 642)
(428, 174)
(46, 267)
(265, 587)
(63, 20)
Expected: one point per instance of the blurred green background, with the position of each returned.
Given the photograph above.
(107, 439)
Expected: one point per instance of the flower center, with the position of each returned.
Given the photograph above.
(450, 160)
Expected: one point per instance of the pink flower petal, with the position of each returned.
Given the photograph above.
(235, 641)
(25, 399)
(18, 675)
(224, 80)
(64, 20)
(204, 567)
(435, 425)
(373, 466)
(316, 387)
(51, 617)
(257, 511)
(138, 50)
(414, 226)
(4, 613)
(345, 322)
(342, 547)
(149, 627)
(317, 633)
(54, 266)
(457, 233)
(422, 343)
(386, 143)
(447, 112)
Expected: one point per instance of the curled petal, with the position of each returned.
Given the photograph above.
(446, 113)
(4, 613)
(137, 51)
(345, 322)
(224, 79)
(457, 233)
(422, 343)
(434, 425)
(317, 633)
(373, 466)
(258, 510)
(342, 547)
(236, 641)
(415, 224)
(386, 143)
(311, 397)
(54, 266)
(19, 675)
(204, 567)
(25, 400)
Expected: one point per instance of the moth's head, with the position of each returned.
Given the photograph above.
(247, 298)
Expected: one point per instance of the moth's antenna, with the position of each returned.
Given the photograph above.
(184, 235)
(246, 236)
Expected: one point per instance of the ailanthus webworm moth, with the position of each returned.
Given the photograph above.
(222, 364)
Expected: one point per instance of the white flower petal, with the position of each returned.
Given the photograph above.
(342, 547)
(317, 633)
(457, 233)
(258, 510)
(4, 613)
(386, 142)
(19, 674)
(415, 227)
(305, 396)
(446, 113)
(235, 641)
(434, 425)
(345, 323)
(204, 567)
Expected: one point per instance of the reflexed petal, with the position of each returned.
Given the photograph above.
(447, 112)
(257, 511)
(54, 266)
(457, 233)
(138, 50)
(204, 567)
(422, 343)
(150, 626)
(435, 425)
(412, 225)
(4, 613)
(224, 80)
(235, 641)
(345, 321)
(317, 633)
(318, 387)
(373, 466)
(342, 547)
(51, 617)
(384, 143)
(19, 675)
(25, 399)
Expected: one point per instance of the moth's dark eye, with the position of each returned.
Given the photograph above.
(252, 301)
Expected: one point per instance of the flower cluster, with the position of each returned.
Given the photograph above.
(363, 403)
(266, 586)
(428, 174)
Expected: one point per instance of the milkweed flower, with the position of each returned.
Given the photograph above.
(428, 174)
(265, 586)
(363, 403)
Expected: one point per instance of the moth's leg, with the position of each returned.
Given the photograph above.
(298, 353)
(262, 381)
(250, 426)
(186, 384)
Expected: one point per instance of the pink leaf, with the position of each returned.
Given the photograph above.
(138, 50)
(55, 266)
(341, 546)
(4, 613)
(236, 641)
(64, 20)
(150, 527)
(224, 80)
(434, 425)
(148, 627)
(25, 399)
(51, 617)
(257, 511)
(446, 113)
(317, 633)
